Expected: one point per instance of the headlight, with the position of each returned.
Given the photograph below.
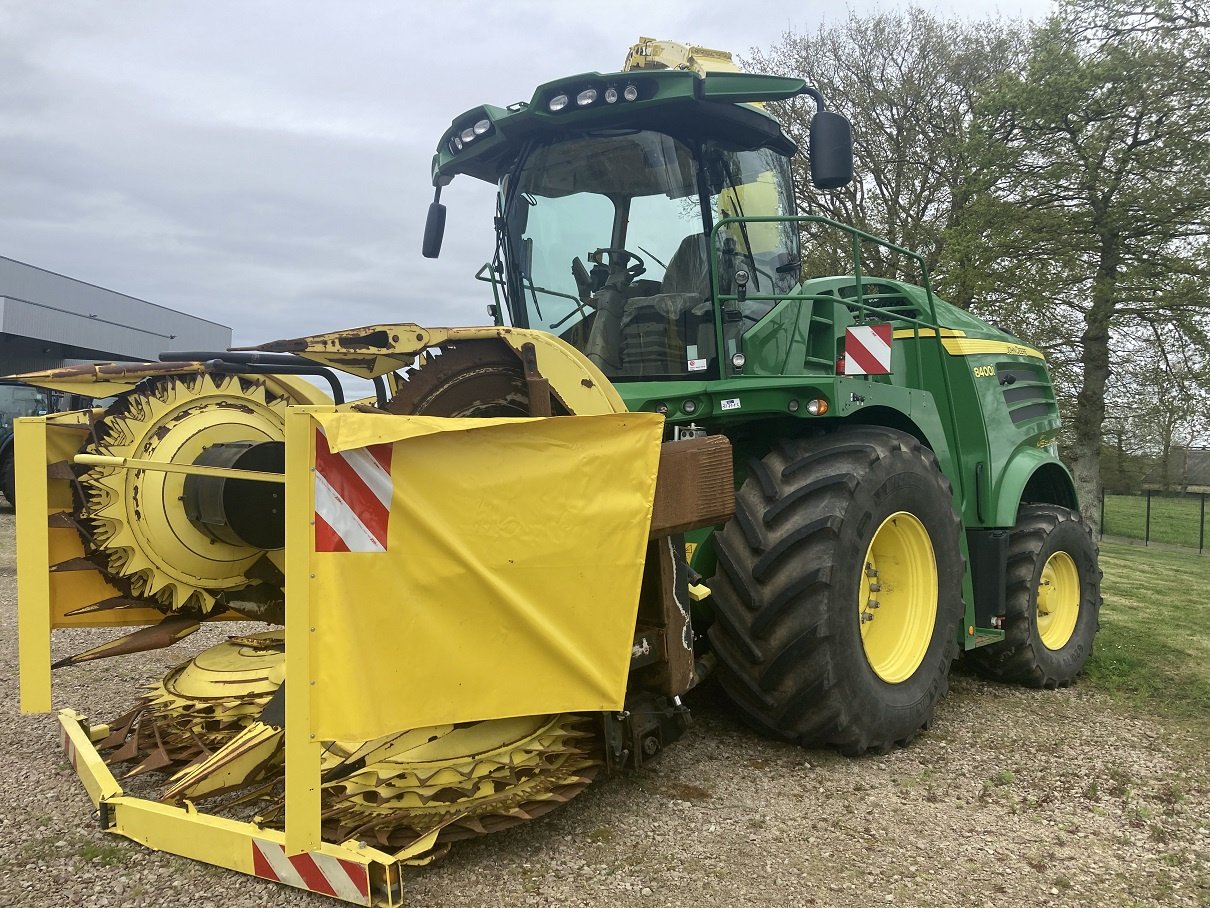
(482, 126)
(630, 92)
(558, 102)
(586, 97)
(611, 95)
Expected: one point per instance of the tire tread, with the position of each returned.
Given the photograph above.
(776, 647)
(1020, 658)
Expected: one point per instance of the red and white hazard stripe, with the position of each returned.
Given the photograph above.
(352, 497)
(867, 350)
(312, 871)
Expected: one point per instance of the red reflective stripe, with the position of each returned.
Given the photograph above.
(260, 864)
(884, 334)
(311, 874)
(310, 870)
(345, 482)
(382, 454)
(326, 538)
(868, 361)
(357, 874)
(860, 357)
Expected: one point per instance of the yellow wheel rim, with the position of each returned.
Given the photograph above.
(1058, 600)
(897, 604)
(137, 516)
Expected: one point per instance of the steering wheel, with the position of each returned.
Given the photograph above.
(622, 258)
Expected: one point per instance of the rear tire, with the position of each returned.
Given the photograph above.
(791, 586)
(1053, 601)
(8, 478)
(477, 378)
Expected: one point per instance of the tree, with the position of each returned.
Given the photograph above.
(909, 82)
(1158, 398)
(1109, 19)
(1100, 228)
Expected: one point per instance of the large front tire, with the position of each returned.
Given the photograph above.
(838, 590)
(1052, 603)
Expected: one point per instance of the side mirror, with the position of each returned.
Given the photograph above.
(831, 150)
(434, 231)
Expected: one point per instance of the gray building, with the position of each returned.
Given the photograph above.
(47, 320)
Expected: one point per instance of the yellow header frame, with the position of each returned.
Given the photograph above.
(44, 441)
(41, 441)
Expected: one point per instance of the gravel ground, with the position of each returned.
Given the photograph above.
(1014, 798)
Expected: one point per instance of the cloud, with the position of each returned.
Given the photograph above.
(266, 164)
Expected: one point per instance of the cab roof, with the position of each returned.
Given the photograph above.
(485, 141)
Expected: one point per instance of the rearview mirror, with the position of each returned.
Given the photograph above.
(831, 150)
(434, 231)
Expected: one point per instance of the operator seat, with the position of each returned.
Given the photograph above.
(689, 268)
(654, 328)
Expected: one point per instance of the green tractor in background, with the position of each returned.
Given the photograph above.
(17, 400)
(900, 495)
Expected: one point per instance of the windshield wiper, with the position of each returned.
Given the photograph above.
(652, 256)
(743, 225)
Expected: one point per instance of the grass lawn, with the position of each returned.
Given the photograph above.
(1154, 647)
(1174, 521)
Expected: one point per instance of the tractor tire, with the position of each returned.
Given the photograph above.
(827, 530)
(1052, 604)
(478, 378)
(8, 478)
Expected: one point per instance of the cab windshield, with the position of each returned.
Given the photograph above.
(605, 237)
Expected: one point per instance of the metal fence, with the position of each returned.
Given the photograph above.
(1168, 518)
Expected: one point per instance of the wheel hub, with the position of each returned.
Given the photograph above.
(135, 517)
(897, 601)
(1058, 600)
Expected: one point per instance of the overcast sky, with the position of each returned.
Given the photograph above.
(266, 164)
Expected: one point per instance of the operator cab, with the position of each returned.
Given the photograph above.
(635, 222)
(607, 241)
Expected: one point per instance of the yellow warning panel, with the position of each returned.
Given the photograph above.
(495, 573)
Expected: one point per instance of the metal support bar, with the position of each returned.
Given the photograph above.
(538, 385)
(137, 463)
(258, 362)
(354, 873)
(381, 398)
(302, 796)
(33, 555)
(250, 358)
(1201, 527)
(225, 368)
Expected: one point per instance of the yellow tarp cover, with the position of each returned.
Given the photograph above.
(510, 580)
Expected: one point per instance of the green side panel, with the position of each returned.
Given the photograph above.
(1026, 465)
(1012, 419)
(1003, 409)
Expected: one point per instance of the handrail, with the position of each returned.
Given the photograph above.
(496, 283)
(858, 237)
